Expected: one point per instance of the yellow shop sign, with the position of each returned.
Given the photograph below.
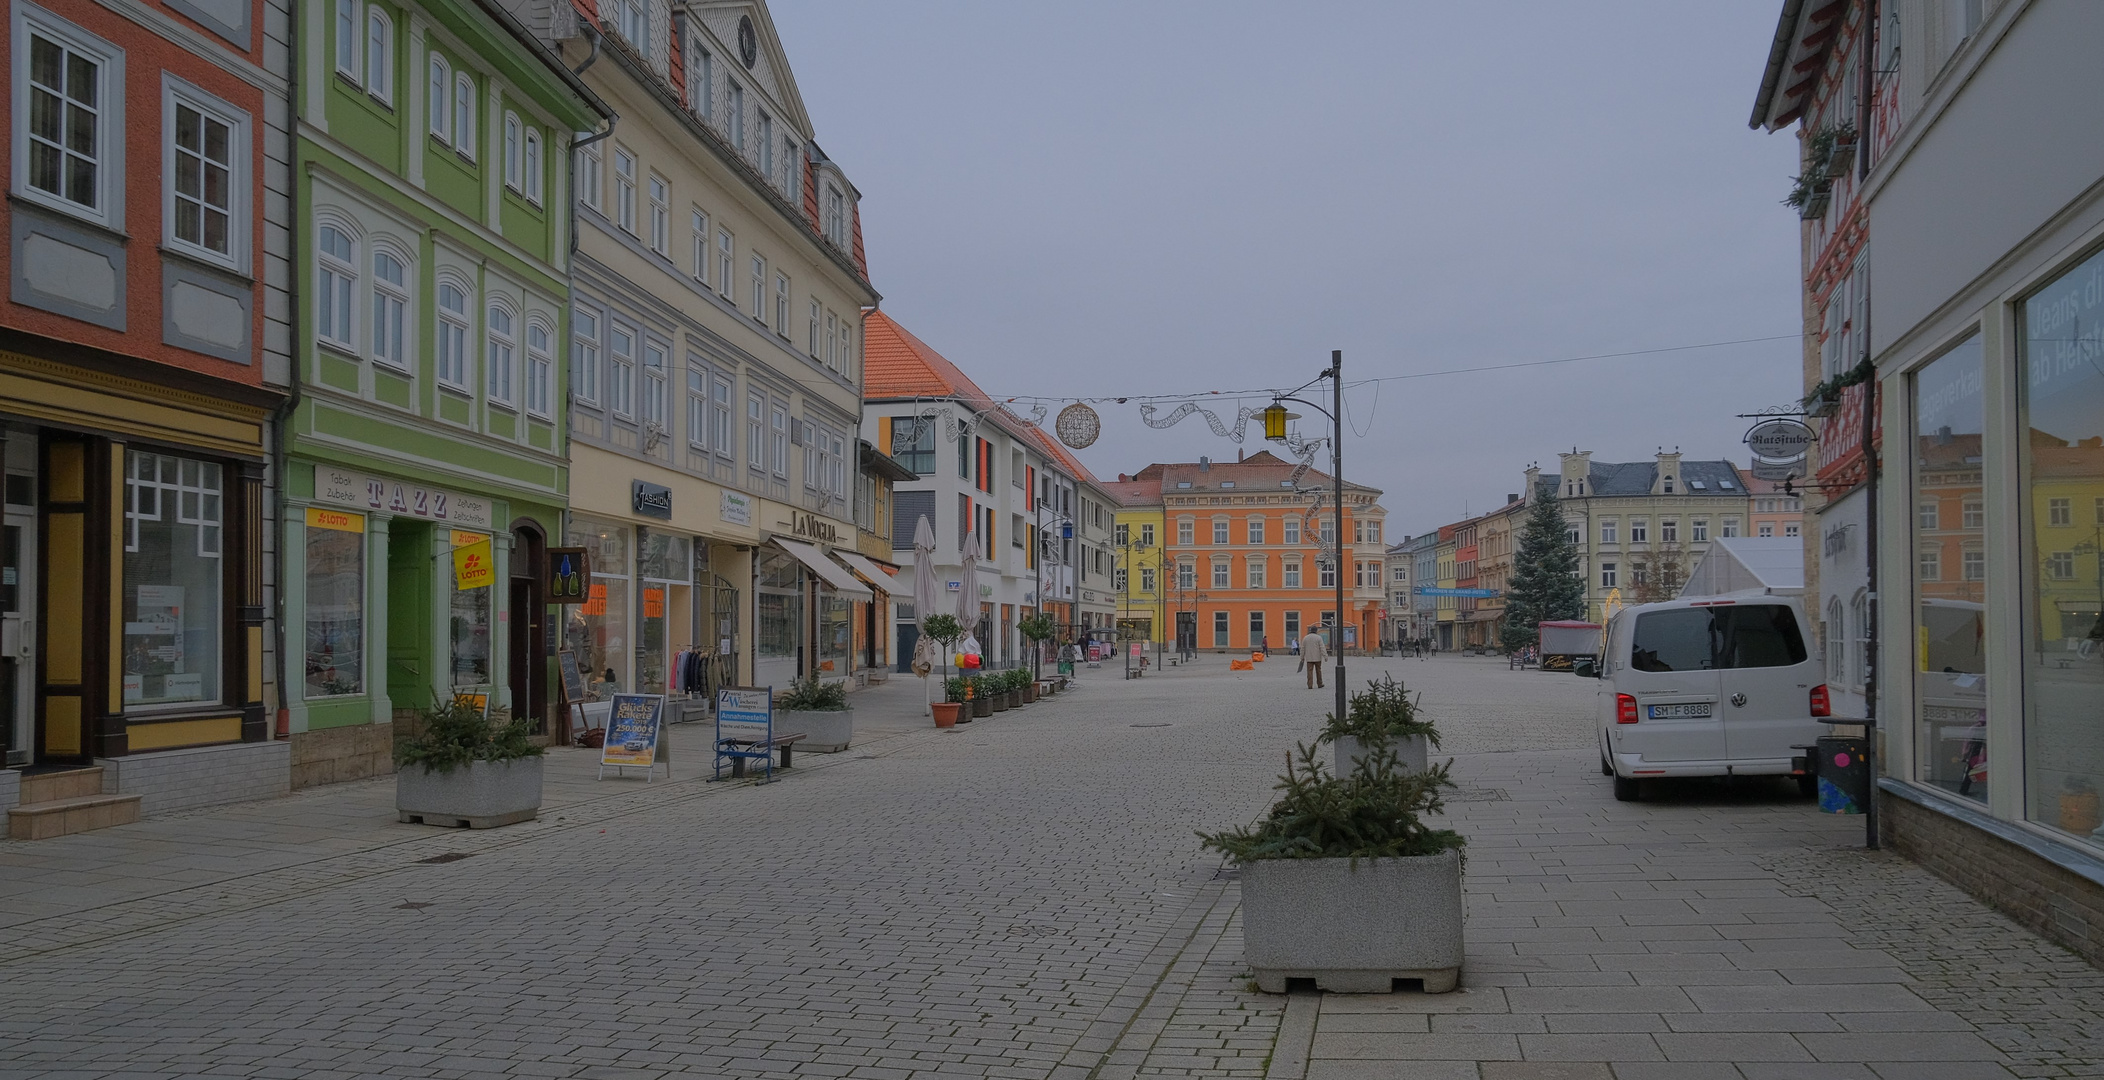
(337, 520)
(472, 566)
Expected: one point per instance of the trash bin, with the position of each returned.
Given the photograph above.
(1844, 774)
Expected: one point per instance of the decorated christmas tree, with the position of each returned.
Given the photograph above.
(1546, 585)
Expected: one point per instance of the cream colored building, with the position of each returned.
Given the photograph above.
(1641, 526)
(715, 356)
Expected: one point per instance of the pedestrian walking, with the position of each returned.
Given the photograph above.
(1312, 653)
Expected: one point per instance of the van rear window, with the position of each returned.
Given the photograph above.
(1701, 639)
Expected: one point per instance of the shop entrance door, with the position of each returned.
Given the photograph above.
(529, 628)
(410, 571)
(18, 657)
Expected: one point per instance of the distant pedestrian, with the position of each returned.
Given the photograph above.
(1312, 653)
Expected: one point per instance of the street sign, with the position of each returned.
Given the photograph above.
(1427, 590)
(1779, 440)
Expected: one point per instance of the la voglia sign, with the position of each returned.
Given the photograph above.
(813, 527)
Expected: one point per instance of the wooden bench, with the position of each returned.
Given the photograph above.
(742, 750)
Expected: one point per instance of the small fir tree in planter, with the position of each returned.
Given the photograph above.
(1546, 585)
(946, 631)
(459, 769)
(819, 711)
(1383, 713)
(1345, 884)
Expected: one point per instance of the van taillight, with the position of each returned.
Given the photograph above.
(1821, 705)
(1625, 709)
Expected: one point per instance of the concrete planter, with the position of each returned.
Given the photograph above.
(478, 795)
(1412, 752)
(827, 731)
(1353, 930)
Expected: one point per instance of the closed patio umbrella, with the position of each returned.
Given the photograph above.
(924, 598)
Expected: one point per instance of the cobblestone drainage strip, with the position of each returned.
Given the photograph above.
(1152, 725)
(450, 856)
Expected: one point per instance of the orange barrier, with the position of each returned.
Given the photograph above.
(1241, 665)
(1256, 657)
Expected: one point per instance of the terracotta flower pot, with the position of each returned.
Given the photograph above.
(946, 713)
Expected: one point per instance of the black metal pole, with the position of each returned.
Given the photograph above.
(1337, 481)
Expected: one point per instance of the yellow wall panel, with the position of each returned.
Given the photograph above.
(219, 729)
(62, 725)
(255, 663)
(64, 598)
(68, 481)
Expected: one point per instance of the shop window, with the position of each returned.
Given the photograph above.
(1950, 693)
(470, 610)
(1292, 625)
(2061, 412)
(597, 631)
(335, 603)
(1256, 629)
(174, 514)
(665, 572)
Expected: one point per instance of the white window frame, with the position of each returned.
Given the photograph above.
(781, 305)
(660, 215)
(109, 125)
(178, 94)
(1608, 575)
(1289, 533)
(1698, 531)
(726, 265)
(1255, 571)
(1609, 529)
(540, 367)
(379, 56)
(464, 114)
(1220, 531)
(591, 177)
(513, 136)
(621, 370)
(350, 40)
(723, 440)
(698, 221)
(764, 143)
(1255, 526)
(585, 350)
(439, 108)
(734, 116)
(847, 347)
(778, 439)
(833, 341)
(698, 379)
(328, 266)
(701, 86)
(757, 267)
(656, 357)
(756, 430)
(453, 329)
(535, 169)
(500, 353)
(817, 309)
(1639, 530)
(625, 190)
(1220, 575)
(398, 296)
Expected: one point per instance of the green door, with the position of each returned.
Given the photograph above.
(409, 674)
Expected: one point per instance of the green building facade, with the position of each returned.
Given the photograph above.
(425, 456)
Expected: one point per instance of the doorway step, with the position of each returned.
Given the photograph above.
(63, 803)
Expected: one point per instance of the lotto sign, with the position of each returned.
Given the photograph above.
(335, 520)
(472, 566)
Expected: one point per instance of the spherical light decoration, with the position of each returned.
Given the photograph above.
(1078, 425)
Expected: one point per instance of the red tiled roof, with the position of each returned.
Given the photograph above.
(897, 365)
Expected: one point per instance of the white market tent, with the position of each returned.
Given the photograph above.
(1763, 564)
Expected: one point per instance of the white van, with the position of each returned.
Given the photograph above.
(1708, 686)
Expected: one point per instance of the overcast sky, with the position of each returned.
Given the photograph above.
(1084, 199)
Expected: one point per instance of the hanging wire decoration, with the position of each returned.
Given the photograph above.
(1077, 426)
(1234, 434)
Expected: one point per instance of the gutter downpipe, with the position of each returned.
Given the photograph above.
(1870, 458)
(281, 725)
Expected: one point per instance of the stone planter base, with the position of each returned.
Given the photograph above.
(1412, 752)
(1353, 930)
(826, 732)
(480, 795)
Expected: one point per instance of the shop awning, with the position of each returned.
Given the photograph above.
(865, 567)
(828, 571)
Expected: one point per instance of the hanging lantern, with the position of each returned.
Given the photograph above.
(1078, 425)
(1275, 422)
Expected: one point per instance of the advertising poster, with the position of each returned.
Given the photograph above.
(632, 731)
(472, 566)
(745, 713)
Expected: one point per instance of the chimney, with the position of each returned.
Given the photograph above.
(1205, 464)
(1511, 498)
(1533, 482)
(1238, 455)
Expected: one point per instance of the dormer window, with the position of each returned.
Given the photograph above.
(834, 218)
(1669, 485)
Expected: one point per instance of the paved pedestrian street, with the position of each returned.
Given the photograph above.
(1022, 897)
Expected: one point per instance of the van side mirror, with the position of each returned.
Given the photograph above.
(1585, 667)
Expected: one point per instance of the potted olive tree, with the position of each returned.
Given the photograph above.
(953, 705)
(819, 711)
(1384, 712)
(458, 769)
(1036, 628)
(1343, 883)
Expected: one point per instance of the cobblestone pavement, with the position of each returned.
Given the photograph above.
(1021, 897)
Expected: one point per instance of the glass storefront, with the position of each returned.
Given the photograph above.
(597, 631)
(173, 580)
(1950, 586)
(664, 568)
(469, 611)
(778, 633)
(2061, 422)
(836, 635)
(335, 603)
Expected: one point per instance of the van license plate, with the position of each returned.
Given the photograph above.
(1691, 711)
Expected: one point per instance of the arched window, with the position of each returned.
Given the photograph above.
(452, 335)
(540, 369)
(379, 56)
(464, 114)
(500, 354)
(335, 275)
(347, 38)
(390, 310)
(441, 78)
(533, 165)
(512, 150)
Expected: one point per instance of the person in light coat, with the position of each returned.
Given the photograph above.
(1312, 653)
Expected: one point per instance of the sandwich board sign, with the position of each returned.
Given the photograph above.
(744, 714)
(635, 736)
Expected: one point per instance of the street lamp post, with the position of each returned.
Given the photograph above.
(1275, 418)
